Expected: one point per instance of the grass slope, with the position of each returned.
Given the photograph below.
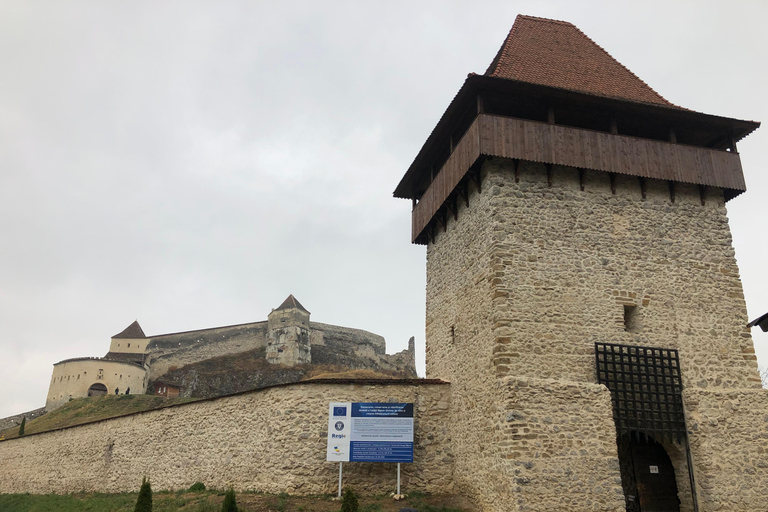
(210, 501)
(84, 410)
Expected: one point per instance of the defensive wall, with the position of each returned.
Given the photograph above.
(271, 440)
(523, 282)
(330, 344)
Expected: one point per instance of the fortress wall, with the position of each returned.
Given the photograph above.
(729, 441)
(194, 346)
(271, 440)
(570, 260)
(527, 443)
(361, 342)
(553, 267)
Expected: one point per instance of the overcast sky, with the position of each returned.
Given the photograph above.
(190, 164)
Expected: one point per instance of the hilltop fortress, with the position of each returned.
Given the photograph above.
(288, 338)
(586, 330)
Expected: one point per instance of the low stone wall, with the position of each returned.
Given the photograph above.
(271, 440)
(15, 420)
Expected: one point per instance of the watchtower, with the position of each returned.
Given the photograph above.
(583, 298)
(288, 340)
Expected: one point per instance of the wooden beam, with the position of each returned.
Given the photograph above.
(703, 194)
(463, 189)
(582, 174)
(480, 105)
(450, 205)
(474, 175)
(551, 115)
(642, 187)
(612, 177)
(733, 144)
(516, 163)
(549, 175)
(614, 126)
(671, 190)
(672, 136)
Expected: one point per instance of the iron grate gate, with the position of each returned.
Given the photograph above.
(646, 390)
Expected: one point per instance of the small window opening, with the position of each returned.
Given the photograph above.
(279, 349)
(630, 318)
(129, 345)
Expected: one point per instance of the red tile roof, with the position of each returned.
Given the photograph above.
(133, 332)
(557, 54)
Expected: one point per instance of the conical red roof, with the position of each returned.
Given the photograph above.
(557, 54)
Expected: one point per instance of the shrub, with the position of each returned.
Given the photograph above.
(197, 487)
(230, 503)
(144, 503)
(21, 428)
(349, 501)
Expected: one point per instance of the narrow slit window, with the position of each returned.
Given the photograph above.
(630, 318)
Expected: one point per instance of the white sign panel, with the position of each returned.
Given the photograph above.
(370, 432)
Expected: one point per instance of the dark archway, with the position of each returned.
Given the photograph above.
(97, 389)
(647, 476)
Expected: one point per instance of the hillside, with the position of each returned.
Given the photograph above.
(85, 410)
(234, 373)
(219, 376)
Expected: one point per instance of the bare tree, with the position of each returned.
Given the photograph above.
(763, 376)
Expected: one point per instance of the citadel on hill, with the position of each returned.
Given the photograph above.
(586, 331)
(136, 362)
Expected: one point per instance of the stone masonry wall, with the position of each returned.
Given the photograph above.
(271, 440)
(729, 441)
(191, 347)
(568, 261)
(524, 281)
(533, 443)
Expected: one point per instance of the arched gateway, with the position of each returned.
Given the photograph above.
(97, 389)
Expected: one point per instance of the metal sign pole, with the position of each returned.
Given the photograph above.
(339, 479)
(398, 478)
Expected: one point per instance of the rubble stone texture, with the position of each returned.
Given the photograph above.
(271, 440)
(524, 281)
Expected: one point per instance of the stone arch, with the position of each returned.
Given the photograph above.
(97, 389)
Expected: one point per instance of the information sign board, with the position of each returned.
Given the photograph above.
(370, 432)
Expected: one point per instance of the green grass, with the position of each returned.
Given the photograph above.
(95, 502)
(210, 501)
(85, 410)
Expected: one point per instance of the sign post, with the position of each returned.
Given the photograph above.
(370, 432)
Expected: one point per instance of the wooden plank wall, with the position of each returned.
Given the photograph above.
(587, 149)
(464, 155)
(563, 145)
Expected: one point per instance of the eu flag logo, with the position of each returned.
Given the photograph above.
(339, 411)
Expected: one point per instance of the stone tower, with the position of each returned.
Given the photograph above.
(583, 297)
(288, 334)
